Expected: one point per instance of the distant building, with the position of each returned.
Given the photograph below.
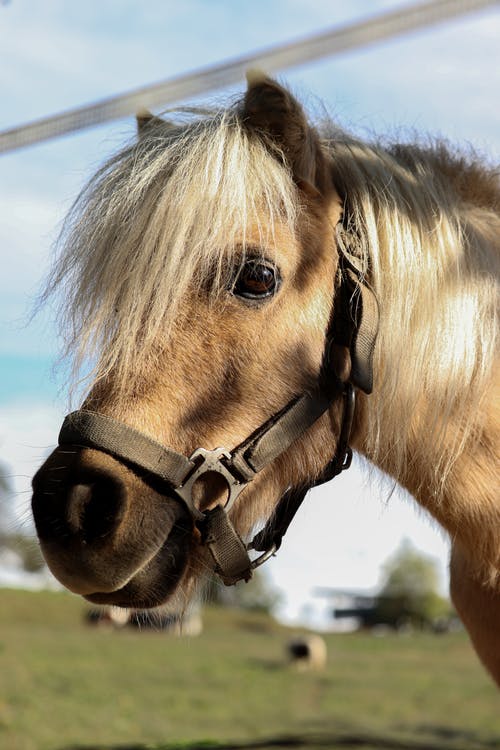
(349, 610)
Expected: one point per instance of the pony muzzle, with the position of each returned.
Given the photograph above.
(101, 525)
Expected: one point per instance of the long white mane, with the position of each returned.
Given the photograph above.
(427, 224)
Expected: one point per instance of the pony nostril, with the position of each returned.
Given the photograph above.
(94, 510)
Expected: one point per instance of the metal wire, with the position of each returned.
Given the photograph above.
(177, 89)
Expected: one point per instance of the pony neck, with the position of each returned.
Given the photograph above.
(430, 257)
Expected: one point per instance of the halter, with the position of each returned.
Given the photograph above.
(350, 341)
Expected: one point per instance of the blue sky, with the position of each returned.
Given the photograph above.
(55, 55)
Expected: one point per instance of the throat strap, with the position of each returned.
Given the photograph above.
(229, 552)
(275, 529)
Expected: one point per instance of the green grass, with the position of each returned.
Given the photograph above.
(64, 685)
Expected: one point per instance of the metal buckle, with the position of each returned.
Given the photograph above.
(210, 461)
(343, 453)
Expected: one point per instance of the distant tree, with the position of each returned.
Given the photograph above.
(5, 498)
(28, 550)
(410, 591)
(24, 546)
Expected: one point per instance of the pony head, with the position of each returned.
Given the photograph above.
(200, 267)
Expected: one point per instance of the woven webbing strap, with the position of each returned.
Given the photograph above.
(356, 316)
(228, 551)
(106, 434)
(278, 433)
(362, 344)
(97, 431)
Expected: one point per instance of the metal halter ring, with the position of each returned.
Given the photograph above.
(208, 461)
(264, 557)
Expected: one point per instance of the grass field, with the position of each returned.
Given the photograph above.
(66, 686)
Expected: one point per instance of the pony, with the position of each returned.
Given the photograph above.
(203, 274)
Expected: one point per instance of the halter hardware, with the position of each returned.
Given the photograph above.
(215, 461)
(353, 329)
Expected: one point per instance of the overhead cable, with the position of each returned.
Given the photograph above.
(215, 77)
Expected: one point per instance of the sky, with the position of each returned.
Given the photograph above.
(55, 55)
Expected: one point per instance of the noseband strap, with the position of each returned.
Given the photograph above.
(353, 329)
(238, 467)
(111, 436)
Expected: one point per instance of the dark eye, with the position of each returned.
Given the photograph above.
(256, 279)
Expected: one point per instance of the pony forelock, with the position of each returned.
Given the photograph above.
(165, 214)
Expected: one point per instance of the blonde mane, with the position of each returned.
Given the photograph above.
(163, 215)
(425, 222)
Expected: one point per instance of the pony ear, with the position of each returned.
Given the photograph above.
(147, 121)
(273, 112)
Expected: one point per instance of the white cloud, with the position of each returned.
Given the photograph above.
(29, 224)
(27, 230)
(441, 81)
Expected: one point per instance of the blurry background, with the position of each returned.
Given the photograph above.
(55, 55)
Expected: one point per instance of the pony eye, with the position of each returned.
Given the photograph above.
(256, 279)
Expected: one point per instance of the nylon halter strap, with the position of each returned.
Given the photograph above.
(353, 332)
